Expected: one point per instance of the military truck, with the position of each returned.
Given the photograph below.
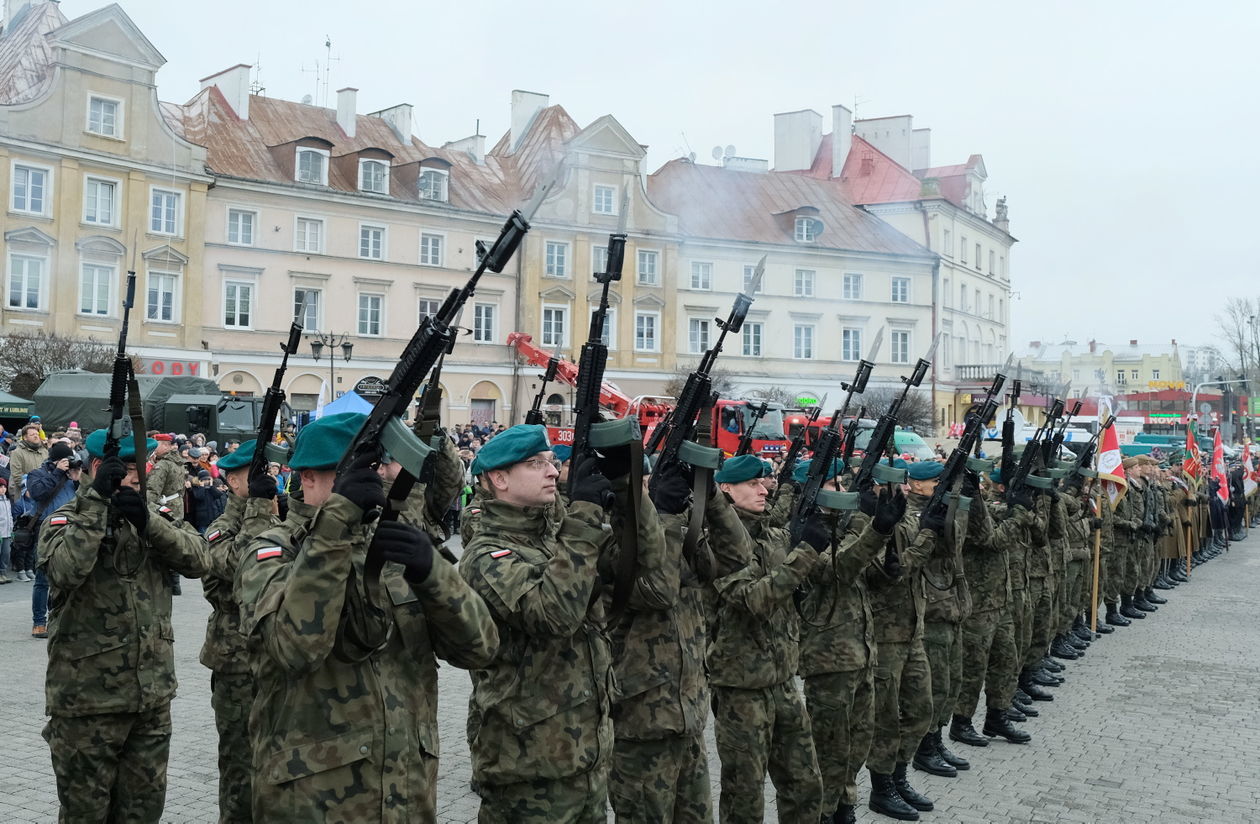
(171, 404)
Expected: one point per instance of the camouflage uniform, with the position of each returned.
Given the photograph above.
(111, 664)
(224, 652)
(1041, 582)
(1109, 565)
(759, 719)
(1128, 527)
(1078, 557)
(165, 483)
(660, 770)
(338, 737)
(838, 656)
(903, 682)
(947, 603)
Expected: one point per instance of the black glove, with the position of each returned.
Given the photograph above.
(670, 491)
(890, 508)
(131, 506)
(971, 484)
(588, 484)
(868, 500)
(815, 533)
(109, 476)
(262, 486)
(360, 484)
(406, 545)
(1024, 498)
(933, 519)
(1095, 523)
(1186, 524)
(615, 462)
(892, 561)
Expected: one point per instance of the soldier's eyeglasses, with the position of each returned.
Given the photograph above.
(539, 463)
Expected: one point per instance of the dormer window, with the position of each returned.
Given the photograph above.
(374, 176)
(808, 229)
(312, 166)
(433, 185)
(605, 200)
(104, 116)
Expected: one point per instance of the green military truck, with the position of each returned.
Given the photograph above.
(171, 404)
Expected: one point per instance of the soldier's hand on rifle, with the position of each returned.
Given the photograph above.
(589, 484)
(868, 501)
(815, 533)
(1023, 497)
(892, 561)
(361, 485)
(131, 506)
(109, 476)
(933, 518)
(671, 491)
(262, 486)
(971, 484)
(406, 545)
(615, 462)
(890, 508)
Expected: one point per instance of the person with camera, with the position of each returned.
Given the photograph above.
(49, 487)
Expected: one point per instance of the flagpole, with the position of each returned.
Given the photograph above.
(1093, 604)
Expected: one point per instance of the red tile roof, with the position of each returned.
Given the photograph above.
(713, 202)
(26, 67)
(870, 176)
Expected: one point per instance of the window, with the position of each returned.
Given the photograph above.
(241, 227)
(807, 229)
(374, 176)
(947, 243)
(701, 275)
(160, 302)
(975, 307)
(427, 308)
(851, 344)
(962, 297)
(645, 331)
(697, 335)
(949, 296)
(312, 166)
(605, 200)
(1001, 310)
(30, 189)
(370, 314)
(95, 281)
(992, 262)
(900, 346)
(372, 242)
(599, 259)
(238, 302)
(1133, 373)
(649, 268)
(804, 283)
(557, 259)
(164, 211)
(555, 326)
(752, 340)
(977, 257)
(433, 185)
(431, 249)
(1120, 377)
(963, 249)
(26, 281)
(900, 290)
(991, 307)
(1154, 374)
(308, 235)
(802, 342)
(312, 297)
(100, 198)
(104, 116)
(852, 287)
(483, 322)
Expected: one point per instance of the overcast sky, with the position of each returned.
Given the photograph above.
(1124, 134)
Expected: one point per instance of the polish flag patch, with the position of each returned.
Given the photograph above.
(269, 552)
(501, 553)
(58, 520)
(213, 536)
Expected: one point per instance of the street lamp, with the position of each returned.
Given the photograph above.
(318, 341)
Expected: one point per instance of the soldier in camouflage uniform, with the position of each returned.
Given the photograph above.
(250, 511)
(540, 725)
(166, 485)
(1130, 532)
(759, 719)
(111, 664)
(344, 722)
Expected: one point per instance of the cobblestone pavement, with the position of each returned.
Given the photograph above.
(1155, 723)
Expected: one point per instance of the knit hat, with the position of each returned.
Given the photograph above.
(59, 451)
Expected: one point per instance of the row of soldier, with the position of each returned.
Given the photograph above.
(325, 689)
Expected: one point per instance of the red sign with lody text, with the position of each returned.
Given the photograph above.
(176, 368)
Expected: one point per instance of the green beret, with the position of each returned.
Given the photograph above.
(925, 470)
(238, 459)
(767, 468)
(802, 470)
(562, 452)
(510, 446)
(900, 463)
(738, 469)
(95, 444)
(322, 444)
(996, 475)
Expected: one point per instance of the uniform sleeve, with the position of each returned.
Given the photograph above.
(759, 592)
(729, 540)
(657, 579)
(782, 509)
(855, 551)
(294, 606)
(243, 520)
(459, 623)
(549, 599)
(68, 551)
(447, 481)
(179, 546)
(155, 483)
(979, 526)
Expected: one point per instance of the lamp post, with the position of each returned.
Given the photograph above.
(318, 341)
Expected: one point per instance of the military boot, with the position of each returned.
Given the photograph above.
(1035, 691)
(1152, 598)
(956, 761)
(1128, 610)
(845, 814)
(1014, 715)
(1044, 678)
(1082, 630)
(1139, 602)
(909, 794)
(1022, 703)
(995, 725)
(1177, 572)
(928, 759)
(960, 730)
(1077, 642)
(1050, 665)
(885, 799)
(1060, 648)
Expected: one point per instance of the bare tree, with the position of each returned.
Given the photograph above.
(774, 394)
(722, 382)
(1234, 327)
(26, 359)
(915, 413)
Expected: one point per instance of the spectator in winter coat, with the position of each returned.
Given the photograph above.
(205, 502)
(27, 456)
(6, 530)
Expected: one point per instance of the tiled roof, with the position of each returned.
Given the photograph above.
(870, 176)
(541, 148)
(25, 56)
(713, 202)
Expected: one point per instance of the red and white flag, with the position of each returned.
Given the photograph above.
(1192, 463)
(1218, 468)
(1249, 479)
(1111, 466)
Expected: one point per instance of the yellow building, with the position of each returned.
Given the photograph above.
(1108, 369)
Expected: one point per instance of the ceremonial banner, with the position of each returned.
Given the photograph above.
(1249, 479)
(1218, 468)
(1110, 468)
(1192, 463)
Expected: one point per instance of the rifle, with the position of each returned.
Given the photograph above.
(535, 416)
(1056, 444)
(1007, 466)
(794, 451)
(882, 437)
(745, 440)
(274, 398)
(1087, 454)
(1033, 450)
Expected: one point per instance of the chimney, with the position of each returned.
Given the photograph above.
(891, 135)
(1093, 346)
(1133, 342)
(796, 139)
(1034, 344)
(841, 138)
(399, 119)
(346, 117)
(525, 107)
(233, 83)
(474, 146)
(921, 149)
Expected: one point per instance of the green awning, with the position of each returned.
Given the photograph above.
(11, 406)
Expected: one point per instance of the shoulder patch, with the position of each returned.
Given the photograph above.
(165, 512)
(214, 536)
(58, 520)
(500, 553)
(269, 552)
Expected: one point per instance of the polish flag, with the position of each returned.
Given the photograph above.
(1249, 480)
(1110, 466)
(1218, 468)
